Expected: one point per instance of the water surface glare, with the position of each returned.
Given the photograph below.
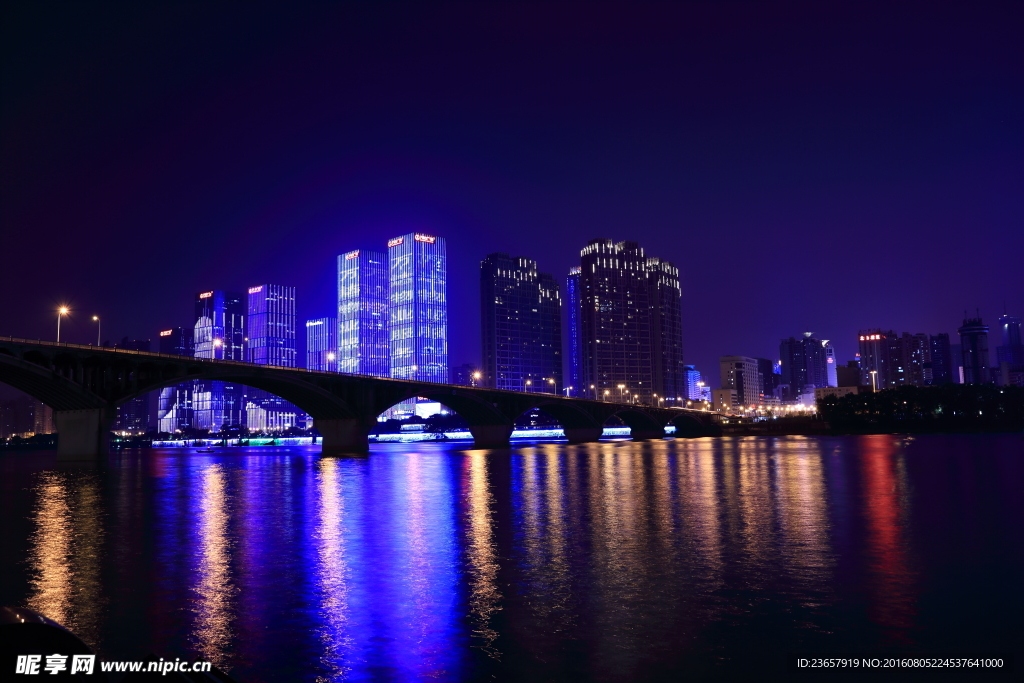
(615, 561)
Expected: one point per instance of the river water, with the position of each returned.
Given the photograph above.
(701, 559)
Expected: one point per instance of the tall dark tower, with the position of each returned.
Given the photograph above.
(574, 355)
(630, 324)
(974, 349)
(804, 364)
(219, 333)
(522, 325)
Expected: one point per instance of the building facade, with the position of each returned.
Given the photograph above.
(521, 317)
(573, 354)
(624, 297)
(134, 416)
(174, 403)
(362, 345)
(219, 333)
(271, 340)
(418, 308)
(322, 344)
(804, 365)
(974, 349)
(741, 374)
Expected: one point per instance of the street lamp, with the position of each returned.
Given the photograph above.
(476, 378)
(873, 387)
(528, 383)
(621, 387)
(567, 390)
(61, 312)
(606, 394)
(551, 381)
(96, 319)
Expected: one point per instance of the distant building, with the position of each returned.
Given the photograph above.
(771, 376)
(694, 384)
(740, 373)
(362, 328)
(174, 404)
(974, 349)
(839, 392)
(574, 350)
(219, 333)
(134, 416)
(630, 324)
(322, 344)
(849, 375)
(521, 320)
(726, 400)
(465, 375)
(939, 369)
(830, 364)
(1012, 349)
(418, 311)
(23, 416)
(804, 365)
(271, 340)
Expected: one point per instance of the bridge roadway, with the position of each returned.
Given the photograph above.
(85, 384)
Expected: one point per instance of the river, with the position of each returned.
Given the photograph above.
(701, 559)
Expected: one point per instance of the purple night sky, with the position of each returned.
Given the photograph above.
(817, 167)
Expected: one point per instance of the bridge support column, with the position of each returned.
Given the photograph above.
(83, 434)
(583, 434)
(491, 436)
(645, 434)
(342, 436)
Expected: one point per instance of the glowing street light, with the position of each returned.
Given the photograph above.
(621, 387)
(61, 312)
(551, 381)
(873, 387)
(528, 383)
(476, 378)
(96, 319)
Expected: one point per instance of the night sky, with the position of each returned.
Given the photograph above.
(819, 167)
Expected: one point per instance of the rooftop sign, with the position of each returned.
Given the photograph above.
(425, 238)
(395, 242)
(353, 254)
(255, 290)
(166, 333)
(205, 295)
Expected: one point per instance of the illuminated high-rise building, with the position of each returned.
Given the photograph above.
(271, 326)
(174, 404)
(974, 349)
(804, 365)
(1012, 349)
(322, 344)
(940, 360)
(271, 340)
(830, 363)
(694, 385)
(418, 308)
(630, 324)
(522, 325)
(771, 376)
(362, 329)
(574, 352)
(219, 333)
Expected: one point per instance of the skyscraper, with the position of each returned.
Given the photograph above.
(771, 376)
(574, 352)
(628, 324)
(174, 405)
(418, 311)
(693, 385)
(830, 363)
(322, 344)
(219, 333)
(740, 374)
(271, 326)
(271, 341)
(974, 344)
(804, 365)
(521, 319)
(362, 345)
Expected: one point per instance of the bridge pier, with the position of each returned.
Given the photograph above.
(342, 436)
(491, 436)
(583, 434)
(83, 434)
(646, 434)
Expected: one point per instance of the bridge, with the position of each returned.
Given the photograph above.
(84, 385)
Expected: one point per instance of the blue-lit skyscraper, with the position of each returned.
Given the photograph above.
(271, 341)
(362, 327)
(521, 315)
(322, 344)
(271, 326)
(418, 311)
(574, 355)
(219, 333)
